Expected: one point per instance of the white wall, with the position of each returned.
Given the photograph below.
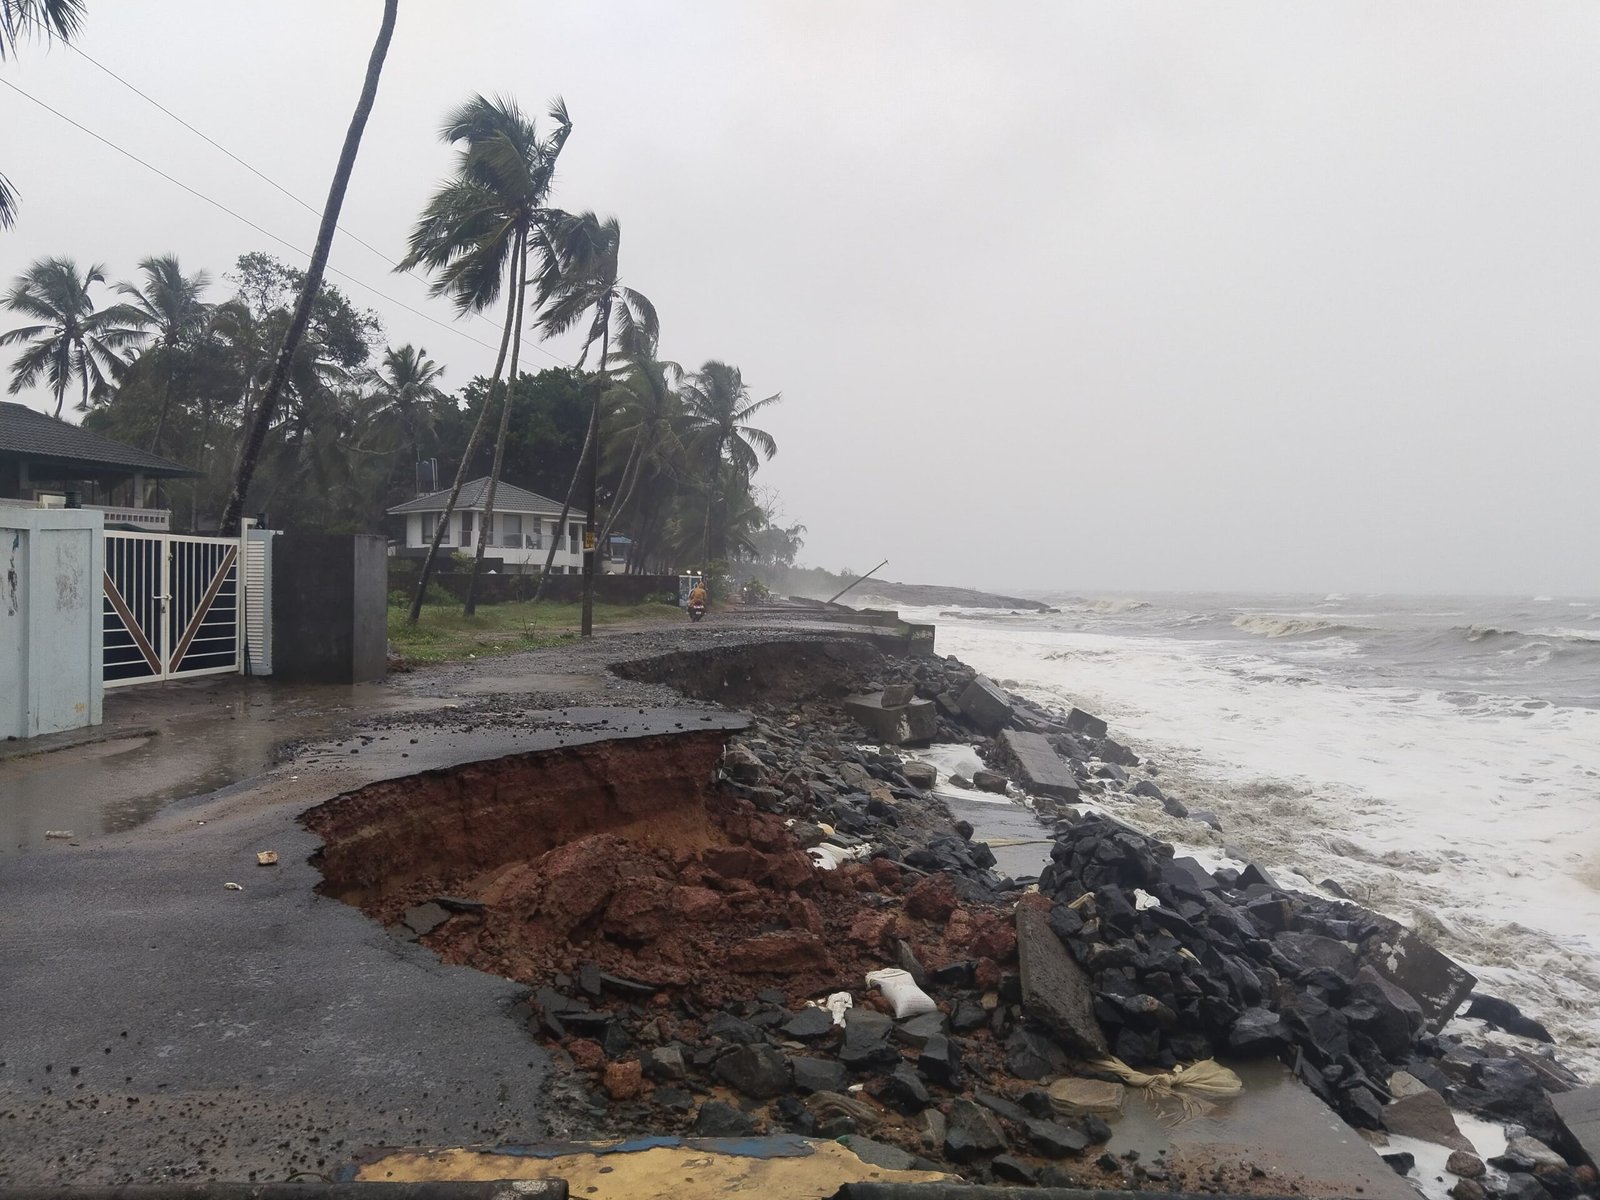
(419, 533)
(51, 633)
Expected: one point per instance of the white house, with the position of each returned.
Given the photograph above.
(524, 525)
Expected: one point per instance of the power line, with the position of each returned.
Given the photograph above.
(455, 329)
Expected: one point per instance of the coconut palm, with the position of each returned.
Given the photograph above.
(647, 411)
(250, 451)
(581, 275)
(404, 388)
(168, 306)
(719, 409)
(474, 235)
(24, 18)
(71, 339)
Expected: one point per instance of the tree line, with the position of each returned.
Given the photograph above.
(285, 395)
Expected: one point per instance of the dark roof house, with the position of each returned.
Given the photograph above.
(508, 498)
(43, 457)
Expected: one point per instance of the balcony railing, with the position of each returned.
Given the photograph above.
(156, 520)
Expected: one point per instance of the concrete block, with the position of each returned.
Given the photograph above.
(894, 724)
(1079, 721)
(329, 608)
(1437, 983)
(985, 705)
(1039, 769)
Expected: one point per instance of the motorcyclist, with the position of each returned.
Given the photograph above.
(697, 595)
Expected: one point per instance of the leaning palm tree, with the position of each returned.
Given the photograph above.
(474, 235)
(581, 276)
(719, 408)
(250, 451)
(404, 388)
(21, 19)
(71, 338)
(169, 307)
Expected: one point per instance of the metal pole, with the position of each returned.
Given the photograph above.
(865, 577)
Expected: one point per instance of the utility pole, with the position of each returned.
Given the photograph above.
(591, 551)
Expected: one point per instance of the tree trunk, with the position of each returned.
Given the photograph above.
(591, 557)
(166, 403)
(566, 508)
(462, 467)
(519, 289)
(625, 489)
(313, 282)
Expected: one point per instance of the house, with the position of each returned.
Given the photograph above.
(524, 525)
(47, 462)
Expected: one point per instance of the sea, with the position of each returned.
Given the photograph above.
(1436, 756)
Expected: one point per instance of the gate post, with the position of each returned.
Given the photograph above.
(52, 564)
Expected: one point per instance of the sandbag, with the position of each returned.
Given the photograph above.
(902, 992)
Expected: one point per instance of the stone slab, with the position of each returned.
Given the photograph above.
(1055, 990)
(1579, 1111)
(1039, 768)
(1437, 983)
(986, 705)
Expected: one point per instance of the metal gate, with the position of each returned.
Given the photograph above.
(171, 607)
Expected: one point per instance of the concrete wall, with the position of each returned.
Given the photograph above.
(51, 620)
(329, 622)
(501, 588)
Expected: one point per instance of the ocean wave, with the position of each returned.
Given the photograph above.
(1271, 626)
(1538, 639)
(1113, 607)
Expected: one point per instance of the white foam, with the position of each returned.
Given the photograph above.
(1473, 821)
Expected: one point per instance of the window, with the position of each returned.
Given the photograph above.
(572, 539)
(466, 528)
(535, 536)
(510, 529)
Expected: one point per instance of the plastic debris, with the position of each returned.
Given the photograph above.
(1143, 900)
(902, 992)
(59, 835)
(234, 887)
(838, 1004)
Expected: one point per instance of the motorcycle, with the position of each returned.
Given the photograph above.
(697, 609)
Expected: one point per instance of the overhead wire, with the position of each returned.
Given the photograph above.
(332, 270)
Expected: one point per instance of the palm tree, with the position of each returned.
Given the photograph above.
(474, 236)
(169, 306)
(648, 411)
(72, 339)
(581, 275)
(719, 409)
(250, 452)
(24, 18)
(405, 386)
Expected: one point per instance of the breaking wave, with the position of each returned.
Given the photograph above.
(1271, 626)
(1113, 606)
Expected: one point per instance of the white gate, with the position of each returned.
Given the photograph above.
(171, 607)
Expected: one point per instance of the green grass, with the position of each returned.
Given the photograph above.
(443, 634)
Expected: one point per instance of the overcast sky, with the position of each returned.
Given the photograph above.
(1115, 295)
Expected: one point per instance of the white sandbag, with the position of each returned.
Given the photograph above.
(902, 992)
(838, 1004)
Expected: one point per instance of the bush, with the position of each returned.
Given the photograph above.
(668, 598)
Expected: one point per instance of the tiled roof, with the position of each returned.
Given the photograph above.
(28, 434)
(508, 498)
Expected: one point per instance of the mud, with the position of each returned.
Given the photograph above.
(620, 854)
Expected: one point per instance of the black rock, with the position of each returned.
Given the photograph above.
(970, 1132)
(1054, 1140)
(1174, 807)
(796, 1117)
(957, 975)
(1522, 1186)
(1402, 1162)
(866, 1041)
(1096, 1130)
(1052, 1176)
(968, 1015)
(1146, 787)
(1001, 1107)
(809, 1023)
(1013, 1170)
(589, 978)
(674, 1099)
(818, 1075)
(760, 1072)
(1206, 817)
(664, 1062)
(940, 1061)
(1032, 1056)
(1255, 875)
(1362, 1108)
(716, 1119)
(1258, 1031)
(915, 1031)
(1084, 723)
(727, 1028)
(905, 1091)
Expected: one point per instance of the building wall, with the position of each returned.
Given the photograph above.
(51, 620)
(463, 535)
